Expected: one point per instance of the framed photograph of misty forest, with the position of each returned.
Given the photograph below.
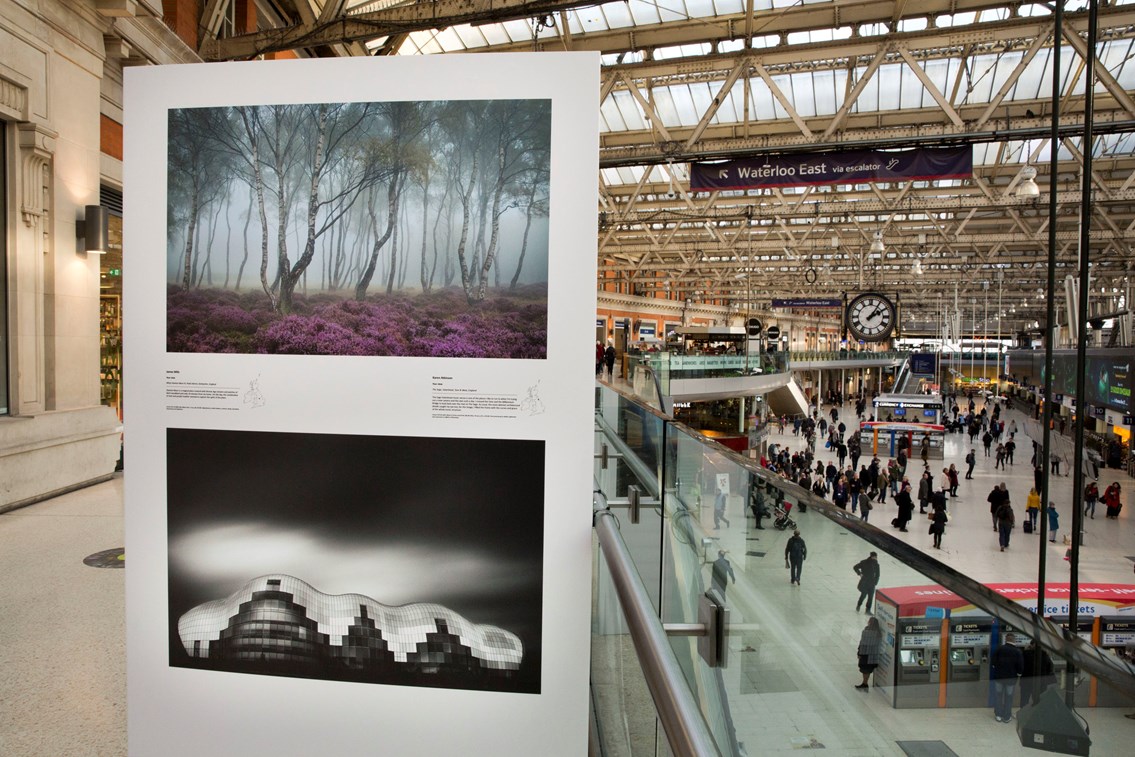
(359, 228)
(359, 294)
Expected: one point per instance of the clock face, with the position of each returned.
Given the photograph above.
(871, 317)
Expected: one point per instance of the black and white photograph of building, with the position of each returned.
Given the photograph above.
(388, 560)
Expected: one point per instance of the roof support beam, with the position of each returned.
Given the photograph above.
(932, 88)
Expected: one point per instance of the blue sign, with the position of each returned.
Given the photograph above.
(842, 167)
(924, 363)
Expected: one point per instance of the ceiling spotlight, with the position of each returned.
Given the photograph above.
(1028, 188)
(877, 247)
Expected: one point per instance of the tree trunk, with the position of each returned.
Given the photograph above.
(259, 187)
(425, 277)
(291, 276)
(494, 238)
(228, 245)
(190, 233)
(466, 281)
(524, 241)
(247, 222)
(392, 207)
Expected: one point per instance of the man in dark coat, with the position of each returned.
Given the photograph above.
(795, 552)
(722, 572)
(868, 571)
(971, 460)
(1007, 664)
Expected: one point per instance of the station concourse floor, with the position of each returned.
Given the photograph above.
(62, 625)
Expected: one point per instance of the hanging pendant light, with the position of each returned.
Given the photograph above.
(1028, 187)
(877, 246)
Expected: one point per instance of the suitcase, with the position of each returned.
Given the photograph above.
(1028, 526)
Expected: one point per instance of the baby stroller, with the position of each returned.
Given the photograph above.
(782, 520)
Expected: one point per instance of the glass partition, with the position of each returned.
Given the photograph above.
(791, 676)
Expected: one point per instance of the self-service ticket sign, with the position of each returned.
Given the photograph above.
(1117, 634)
(1093, 599)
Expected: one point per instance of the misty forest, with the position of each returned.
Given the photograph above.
(391, 228)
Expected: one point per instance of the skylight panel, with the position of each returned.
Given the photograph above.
(993, 14)
(470, 36)
(628, 109)
(644, 13)
(726, 7)
(824, 91)
(592, 19)
(732, 107)
(985, 154)
(980, 84)
(665, 108)
(1034, 10)
(495, 34)
(766, 40)
(1116, 58)
(683, 51)
(730, 45)
(956, 19)
(690, 102)
(698, 8)
(761, 104)
(803, 97)
(915, 24)
(421, 43)
(612, 116)
(618, 15)
(937, 70)
(518, 30)
(868, 99)
(891, 78)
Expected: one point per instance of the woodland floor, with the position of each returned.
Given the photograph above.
(507, 324)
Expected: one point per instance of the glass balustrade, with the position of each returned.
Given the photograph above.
(715, 522)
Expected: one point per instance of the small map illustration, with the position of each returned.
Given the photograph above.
(254, 397)
(532, 404)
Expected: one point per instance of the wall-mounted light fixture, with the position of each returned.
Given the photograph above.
(94, 230)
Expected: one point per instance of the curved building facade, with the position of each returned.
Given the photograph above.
(280, 625)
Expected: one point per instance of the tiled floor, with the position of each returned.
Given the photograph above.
(62, 626)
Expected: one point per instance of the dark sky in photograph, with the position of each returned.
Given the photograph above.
(458, 522)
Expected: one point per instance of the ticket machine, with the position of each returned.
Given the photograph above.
(917, 669)
(1060, 665)
(967, 673)
(1117, 635)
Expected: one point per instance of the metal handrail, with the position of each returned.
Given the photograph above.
(685, 728)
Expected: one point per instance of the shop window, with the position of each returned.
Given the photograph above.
(110, 313)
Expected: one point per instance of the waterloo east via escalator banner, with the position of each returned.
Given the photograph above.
(842, 167)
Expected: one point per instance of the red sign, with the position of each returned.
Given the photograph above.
(1094, 599)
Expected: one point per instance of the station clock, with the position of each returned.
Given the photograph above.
(871, 317)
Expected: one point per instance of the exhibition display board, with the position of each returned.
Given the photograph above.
(360, 427)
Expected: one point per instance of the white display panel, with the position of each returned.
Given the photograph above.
(358, 513)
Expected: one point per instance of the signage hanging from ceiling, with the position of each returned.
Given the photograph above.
(843, 167)
(808, 303)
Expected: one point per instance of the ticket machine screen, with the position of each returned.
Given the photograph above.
(960, 656)
(910, 657)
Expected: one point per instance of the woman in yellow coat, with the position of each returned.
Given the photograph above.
(1032, 508)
